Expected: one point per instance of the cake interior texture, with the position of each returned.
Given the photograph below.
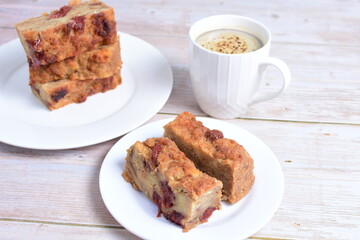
(219, 157)
(100, 62)
(183, 194)
(59, 93)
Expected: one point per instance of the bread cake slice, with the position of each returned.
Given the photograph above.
(101, 62)
(59, 93)
(213, 154)
(67, 32)
(183, 194)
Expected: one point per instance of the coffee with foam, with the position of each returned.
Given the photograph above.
(229, 41)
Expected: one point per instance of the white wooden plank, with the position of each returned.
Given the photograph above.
(312, 101)
(18, 230)
(44, 231)
(320, 83)
(69, 183)
(55, 193)
(308, 62)
(8, 34)
(290, 22)
(326, 79)
(320, 163)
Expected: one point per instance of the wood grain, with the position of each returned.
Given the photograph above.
(295, 22)
(44, 231)
(327, 79)
(320, 190)
(334, 70)
(313, 127)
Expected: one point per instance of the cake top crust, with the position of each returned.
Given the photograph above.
(212, 141)
(61, 16)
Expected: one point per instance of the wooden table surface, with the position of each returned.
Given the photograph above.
(313, 127)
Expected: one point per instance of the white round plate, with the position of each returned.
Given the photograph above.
(138, 214)
(26, 122)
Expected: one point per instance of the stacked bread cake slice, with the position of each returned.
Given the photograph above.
(73, 52)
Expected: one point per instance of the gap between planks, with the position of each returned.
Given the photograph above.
(269, 238)
(59, 223)
(102, 226)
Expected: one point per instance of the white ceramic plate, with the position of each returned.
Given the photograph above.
(26, 122)
(138, 214)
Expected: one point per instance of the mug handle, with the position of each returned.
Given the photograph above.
(285, 71)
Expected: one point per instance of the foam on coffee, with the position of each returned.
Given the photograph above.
(229, 41)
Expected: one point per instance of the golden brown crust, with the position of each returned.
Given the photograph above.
(66, 33)
(59, 93)
(219, 157)
(101, 62)
(74, 2)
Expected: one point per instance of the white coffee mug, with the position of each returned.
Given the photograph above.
(225, 84)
